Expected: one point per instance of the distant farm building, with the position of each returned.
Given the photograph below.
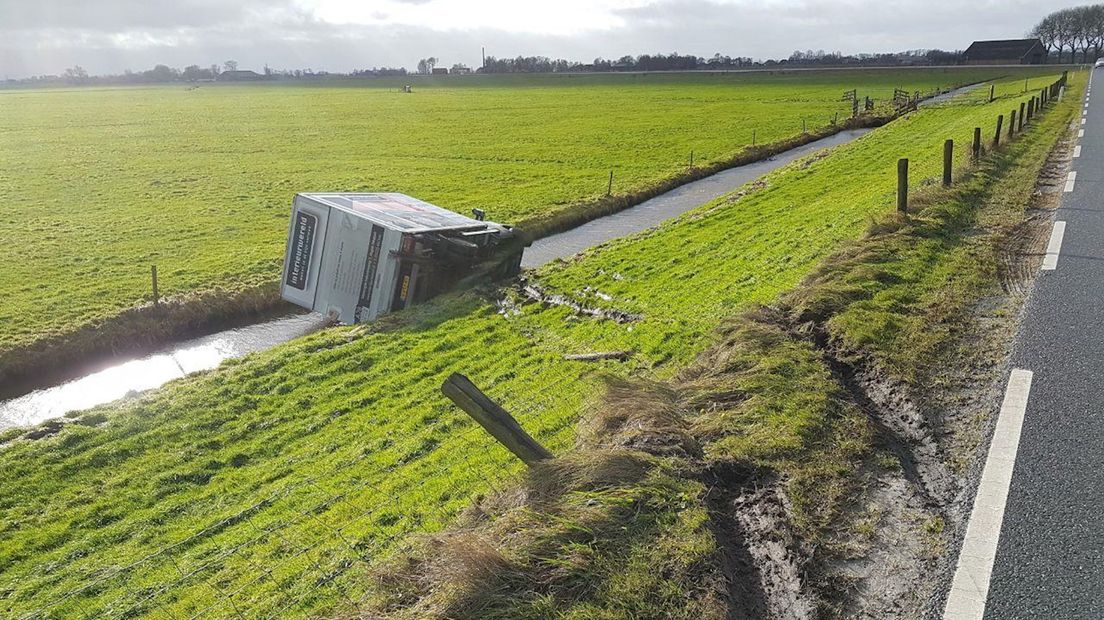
(440, 71)
(1009, 52)
(240, 75)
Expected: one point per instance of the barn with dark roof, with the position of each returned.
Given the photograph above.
(1006, 52)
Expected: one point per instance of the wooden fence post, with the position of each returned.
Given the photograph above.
(1012, 124)
(948, 160)
(992, 92)
(153, 276)
(902, 185)
(1000, 124)
(753, 137)
(609, 188)
(977, 143)
(501, 425)
(1020, 128)
(803, 127)
(691, 159)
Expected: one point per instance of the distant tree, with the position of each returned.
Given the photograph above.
(1047, 32)
(214, 70)
(161, 73)
(1080, 29)
(940, 57)
(1094, 19)
(76, 74)
(231, 65)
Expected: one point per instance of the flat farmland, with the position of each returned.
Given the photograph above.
(98, 184)
(275, 480)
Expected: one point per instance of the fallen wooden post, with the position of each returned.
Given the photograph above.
(494, 419)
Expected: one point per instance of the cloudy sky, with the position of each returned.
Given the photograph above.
(108, 36)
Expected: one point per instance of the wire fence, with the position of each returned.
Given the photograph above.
(306, 547)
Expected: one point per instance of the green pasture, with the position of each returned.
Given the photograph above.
(266, 487)
(98, 184)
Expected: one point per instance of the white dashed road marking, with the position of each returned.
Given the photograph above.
(1054, 247)
(1070, 180)
(970, 587)
(1077, 151)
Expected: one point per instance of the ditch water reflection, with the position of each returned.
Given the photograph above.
(151, 371)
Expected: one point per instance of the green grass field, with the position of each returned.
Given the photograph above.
(98, 184)
(273, 481)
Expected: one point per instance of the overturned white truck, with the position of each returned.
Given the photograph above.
(355, 256)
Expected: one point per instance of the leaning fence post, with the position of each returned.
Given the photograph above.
(1021, 117)
(902, 185)
(977, 143)
(500, 424)
(1000, 123)
(948, 157)
(153, 276)
(1012, 124)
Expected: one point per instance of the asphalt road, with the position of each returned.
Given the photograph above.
(1050, 554)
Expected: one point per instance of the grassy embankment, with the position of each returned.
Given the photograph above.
(745, 485)
(274, 479)
(100, 183)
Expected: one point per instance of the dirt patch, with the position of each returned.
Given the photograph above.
(763, 520)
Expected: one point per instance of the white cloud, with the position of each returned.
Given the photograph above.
(108, 36)
(561, 18)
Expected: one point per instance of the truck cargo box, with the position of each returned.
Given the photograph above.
(355, 256)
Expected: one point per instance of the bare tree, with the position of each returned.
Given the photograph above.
(1094, 20)
(1065, 32)
(1047, 32)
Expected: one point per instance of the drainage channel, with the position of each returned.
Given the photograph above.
(671, 204)
(180, 359)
